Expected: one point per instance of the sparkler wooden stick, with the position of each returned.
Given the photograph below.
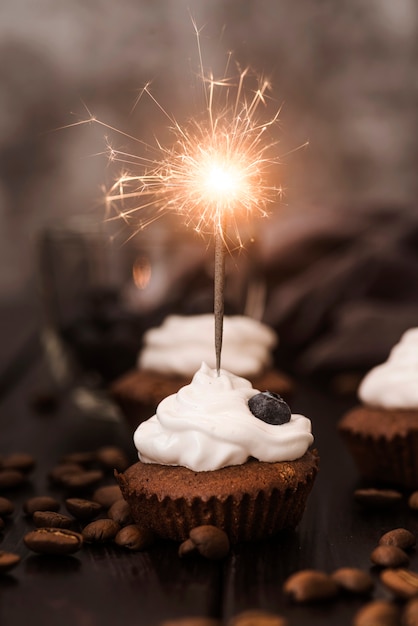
(219, 288)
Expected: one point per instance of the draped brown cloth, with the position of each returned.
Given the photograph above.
(343, 284)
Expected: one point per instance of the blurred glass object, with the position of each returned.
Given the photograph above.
(99, 295)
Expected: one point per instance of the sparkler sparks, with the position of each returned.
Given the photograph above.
(216, 167)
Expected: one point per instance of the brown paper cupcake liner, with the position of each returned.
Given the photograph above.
(252, 501)
(381, 461)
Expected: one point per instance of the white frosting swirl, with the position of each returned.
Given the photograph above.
(208, 425)
(394, 384)
(181, 343)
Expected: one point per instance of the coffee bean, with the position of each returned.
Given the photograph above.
(256, 618)
(80, 458)
(410, 613)
(6, 507)
(310, 586)
(120, 513)
(8, 560)
(40, 503)
(100, 531)
(107, 495)
(378, 498)
(134, 537)
(399, 537)
(378, 613)
(53, 541)
(19, 461)
(186, 548)
(389, 556)
(60, 472)
(51, 519)
(83, 509)
(402, 582)
(413, 501)
(112, 458)
(82, 480)
(210, 541)
(11, 478)
(353, 579)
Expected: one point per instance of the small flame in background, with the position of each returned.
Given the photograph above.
(141, 272)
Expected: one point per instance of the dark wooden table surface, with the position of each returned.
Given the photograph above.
(106, 585)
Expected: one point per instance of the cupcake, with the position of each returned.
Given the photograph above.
(382, 433)
(220, 452)
(173, 352)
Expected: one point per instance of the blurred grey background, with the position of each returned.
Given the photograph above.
(346, 75)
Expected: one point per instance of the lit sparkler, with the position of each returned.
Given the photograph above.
(216, 169)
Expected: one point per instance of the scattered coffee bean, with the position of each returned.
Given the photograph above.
(310, 586)
(40, 503)
(402, 582)
(256, 618)
(186, 548)
(413, 501)
(80, 458)
(378, 498)
(399, 537)
(410, 613)
(10, 478)
(82, 509)
(82, 480)
(120, 513)
(134, 537)
(8, 560)
(60, 472)
(389, 556)
(210, 541)
(113, 458)
(53, 541)
(378, 613)
(100, 531)
(19, 461)
(353, 579)
(191, 621)
(6, 507)
(107, 495)
(51, 519)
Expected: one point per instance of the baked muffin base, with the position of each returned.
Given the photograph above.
(139, 392)
(251, 501)
(383, 444)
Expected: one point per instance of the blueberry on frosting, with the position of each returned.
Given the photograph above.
(270, 407)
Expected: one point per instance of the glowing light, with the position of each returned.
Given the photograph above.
(141, 272)
(216, 165)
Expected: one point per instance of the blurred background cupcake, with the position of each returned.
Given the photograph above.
(382, 433)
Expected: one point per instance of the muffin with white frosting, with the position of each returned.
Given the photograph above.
(173, 352)
(382, 432)
(217, 453)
